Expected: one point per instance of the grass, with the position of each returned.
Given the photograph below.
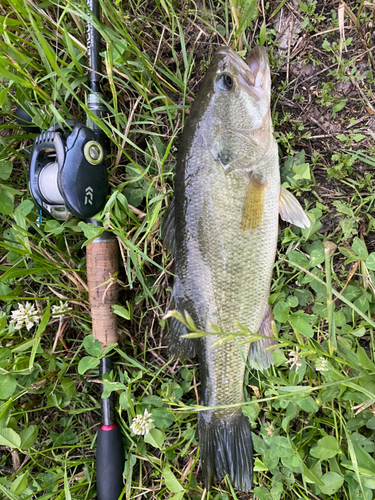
(313, 413)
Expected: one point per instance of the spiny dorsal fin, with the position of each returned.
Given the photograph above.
(290, 209)
(254, 203)
(168, 229)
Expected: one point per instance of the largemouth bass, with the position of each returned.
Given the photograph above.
(222, 229)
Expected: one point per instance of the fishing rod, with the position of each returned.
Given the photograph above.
(68, 175)
(102, 264)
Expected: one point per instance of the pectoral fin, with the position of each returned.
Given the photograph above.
(291, 210)
(259, 358)
(254, 203)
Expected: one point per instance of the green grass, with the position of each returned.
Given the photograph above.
(313, 413)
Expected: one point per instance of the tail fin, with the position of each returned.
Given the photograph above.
(226, 448)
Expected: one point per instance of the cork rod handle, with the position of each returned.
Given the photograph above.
(102, 264)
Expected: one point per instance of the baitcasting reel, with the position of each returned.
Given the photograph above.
(68, 173)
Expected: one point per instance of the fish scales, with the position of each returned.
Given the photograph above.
(225, 225)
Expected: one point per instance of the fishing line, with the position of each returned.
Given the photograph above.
(56, 59)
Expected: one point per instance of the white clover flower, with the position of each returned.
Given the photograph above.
(321, 364)
(61, 309)
(295, 359)
(142, 423)
(269, 428)
(25, 316)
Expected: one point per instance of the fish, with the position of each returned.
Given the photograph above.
(222, 229)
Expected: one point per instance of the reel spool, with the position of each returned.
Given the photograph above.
(67, 172)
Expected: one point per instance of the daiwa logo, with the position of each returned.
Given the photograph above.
(89, 195)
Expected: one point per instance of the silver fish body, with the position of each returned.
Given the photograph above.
(222, 229)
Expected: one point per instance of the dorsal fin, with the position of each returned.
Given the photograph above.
(168, 229)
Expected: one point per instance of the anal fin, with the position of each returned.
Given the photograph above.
(178, 345)
(291, 210)
(259, 358)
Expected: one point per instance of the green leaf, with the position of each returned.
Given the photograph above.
(307, 404)
(91, 231)
(262, 493)
(7, 386)
(171, 482)
(358, 137)
(8, 494)
(332, 482)
(3, 324)
(155, 400)
(87, 363)
(339, 106)
(270, 460)
(299, 259)
(124, 400)
(67, 494)
(281, 447)
(68, 387)
(6, 201)
(313, 475)
(251, 411)
(93, 346)
(277, 490)
(162, 418)
(262, 34)
(155, 438)
(64, 438)
(53, 227)
(316, 257)
(4, 413)
(359, 248)
(28, 436)
(300, 325)
(364, 459)
(293, 462)
(259, 466)
(370, 261)
(38, 334)
(326, 448)
(122, 311)
(369, 482)
(364, 360)
(9, 437)
(5, 169)
(281, 312)
(302, 171)
(178, 496)
(19, 484)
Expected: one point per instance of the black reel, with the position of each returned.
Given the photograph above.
(68, 173)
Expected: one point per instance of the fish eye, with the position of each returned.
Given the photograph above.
(226, 82)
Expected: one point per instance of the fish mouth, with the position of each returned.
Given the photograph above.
(253, 76)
